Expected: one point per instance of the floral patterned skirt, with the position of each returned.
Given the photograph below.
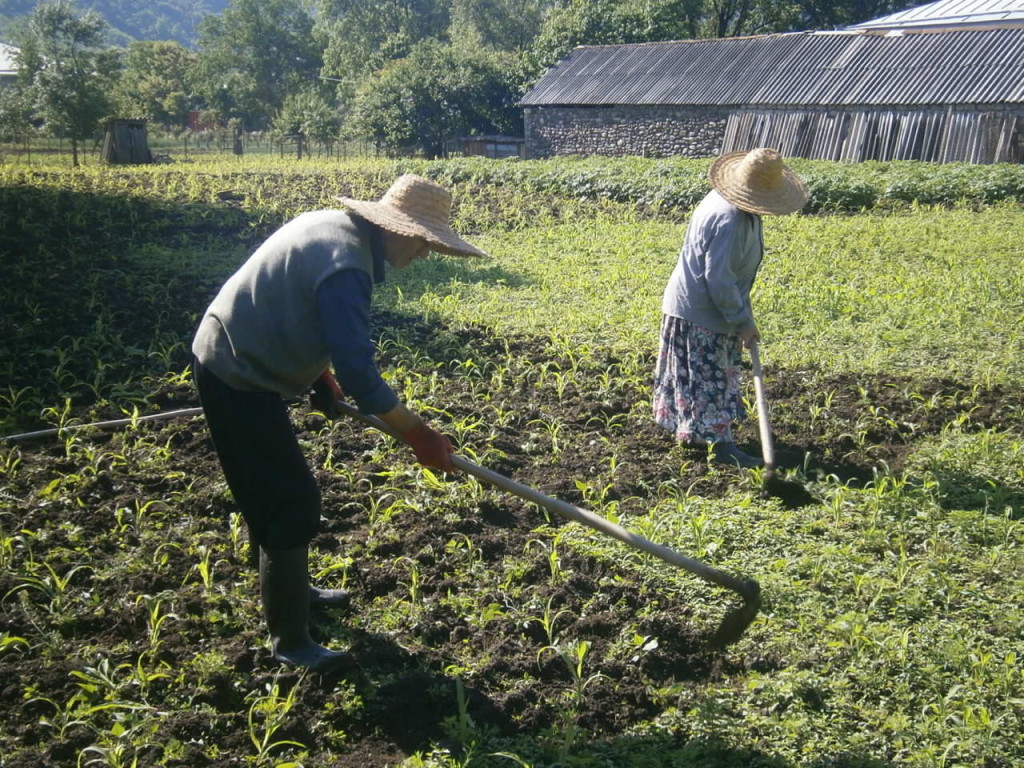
(697, 382)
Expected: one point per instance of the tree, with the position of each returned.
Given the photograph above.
(362, 36)
(437, 93)
(68, 70)
(308, 115)
(826, 14)
(15, 113)
(154, 83)
(734, 18)
(252, 56)
(500, 25)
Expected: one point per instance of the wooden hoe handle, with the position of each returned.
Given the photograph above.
(744, 587)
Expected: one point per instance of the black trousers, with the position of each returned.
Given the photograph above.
(265, 468)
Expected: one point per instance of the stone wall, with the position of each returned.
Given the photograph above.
(970, 133)
(648, 131)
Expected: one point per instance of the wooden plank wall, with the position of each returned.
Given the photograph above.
(935, 135)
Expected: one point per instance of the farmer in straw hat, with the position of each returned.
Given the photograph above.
(299, 304)
(706, 311)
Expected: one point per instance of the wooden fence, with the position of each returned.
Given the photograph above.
(186, 147)
(934, 135)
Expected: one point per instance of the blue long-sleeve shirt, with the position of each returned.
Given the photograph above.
(344, 300)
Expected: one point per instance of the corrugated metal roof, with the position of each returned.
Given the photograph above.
(951, 14)
(794, 69)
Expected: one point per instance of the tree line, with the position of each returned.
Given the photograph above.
(406, 75)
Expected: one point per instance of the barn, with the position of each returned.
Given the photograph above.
(8, 64)
(949, 93)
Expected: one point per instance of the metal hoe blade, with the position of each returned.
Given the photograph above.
(792, 494)
(735, 623)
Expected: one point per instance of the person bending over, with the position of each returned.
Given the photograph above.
(706, 310)
(297, 306)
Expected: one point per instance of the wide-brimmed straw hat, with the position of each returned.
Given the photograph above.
(416, 207)
(758, 181)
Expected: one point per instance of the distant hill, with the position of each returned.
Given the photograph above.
(130, 19)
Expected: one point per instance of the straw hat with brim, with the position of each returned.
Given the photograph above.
(758, 181)
(416, 207)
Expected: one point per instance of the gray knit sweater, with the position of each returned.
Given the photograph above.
(711, 283)
(263, 332)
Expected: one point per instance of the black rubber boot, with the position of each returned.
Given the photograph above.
(728, 453)
(284, 589)
(328, 598)
(318, 598)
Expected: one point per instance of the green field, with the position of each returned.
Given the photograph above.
(487, 632)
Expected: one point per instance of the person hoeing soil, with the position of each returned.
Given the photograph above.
(297, 306)
(706, 311)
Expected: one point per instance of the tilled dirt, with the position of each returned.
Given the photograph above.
(409, 693)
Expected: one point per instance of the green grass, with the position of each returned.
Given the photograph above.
(928, 292)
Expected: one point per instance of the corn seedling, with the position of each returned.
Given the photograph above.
(412, 586)
(51, 585)
(121, 744)
(161, 558)
(267, 715)
(206, 566)
(461, 727)
(462, 546)
(336, 571)
(155, 618)
(547, 621)
(238, 535)
(549, 550)
(552, 428)
(75, 712)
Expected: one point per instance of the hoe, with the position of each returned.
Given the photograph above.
(733, 625)
(791, 493)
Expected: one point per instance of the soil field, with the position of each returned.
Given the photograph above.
(400, 678)
(130, 627)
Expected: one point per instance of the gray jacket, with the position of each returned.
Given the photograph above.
(711, 283)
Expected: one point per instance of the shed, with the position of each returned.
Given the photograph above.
(8, 64)
(126, 142)
(493, 146)
(844, 95)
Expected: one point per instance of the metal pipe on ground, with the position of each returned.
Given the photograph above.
(112, 424)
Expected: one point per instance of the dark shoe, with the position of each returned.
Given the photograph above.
(728, 453)
(329, 598)
(284, 591)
